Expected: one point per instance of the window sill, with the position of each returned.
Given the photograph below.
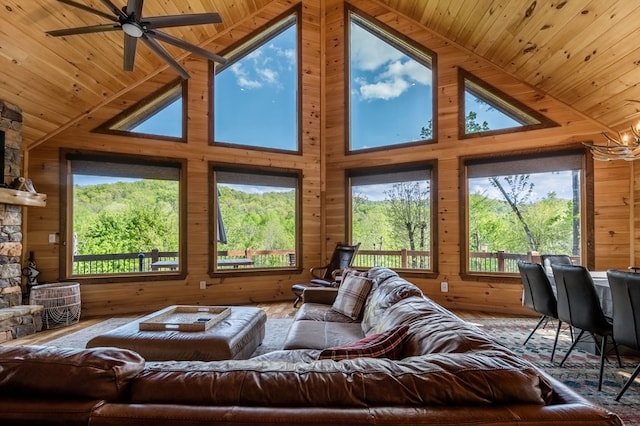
(22, 198)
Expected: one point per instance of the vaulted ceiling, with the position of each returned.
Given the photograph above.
(583, 53)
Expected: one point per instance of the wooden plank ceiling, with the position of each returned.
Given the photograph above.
(584, 53)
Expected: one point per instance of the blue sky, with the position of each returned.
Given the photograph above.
(87, 180)
(558, 182)
(166, 122)
(544, 183)
(256, 97)
(391, 93)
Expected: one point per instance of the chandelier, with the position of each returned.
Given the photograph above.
(625, 147)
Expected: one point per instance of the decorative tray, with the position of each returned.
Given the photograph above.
(185, 318)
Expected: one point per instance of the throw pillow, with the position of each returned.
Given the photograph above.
(351, 295)
(383, 345)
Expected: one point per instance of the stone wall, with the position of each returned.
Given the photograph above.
(15, 320)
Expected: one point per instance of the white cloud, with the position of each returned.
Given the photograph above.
(411, 69)
(268, 75)
(290, 54)
(389, 72)
(368, 53)
(242, 77)
(384, 89)
(261, 67)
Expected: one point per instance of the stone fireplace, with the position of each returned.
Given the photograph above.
(16, 319)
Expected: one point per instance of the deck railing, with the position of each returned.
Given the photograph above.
(90, 264)
(394, 259)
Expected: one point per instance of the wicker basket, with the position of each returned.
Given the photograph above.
(61, 303)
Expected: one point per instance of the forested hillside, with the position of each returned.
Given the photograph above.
(126, 217)
(131, 217)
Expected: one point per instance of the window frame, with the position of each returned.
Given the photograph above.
(432, 166)
(213, 167)
(66, 216)
(407, 46)
(145, 108)
(587, 246)
(244, 47)
(463, 75)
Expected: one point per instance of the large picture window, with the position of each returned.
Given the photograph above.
(392, 217)
(255, 219)
(255, 94)
(517, 207)
(124, 216)
(391, 99)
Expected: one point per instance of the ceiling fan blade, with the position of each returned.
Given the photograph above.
(84, 30)
(114, 9)
(134, 7)
(181, 20)
(89, 9)
(160, 51)
(129, 57)
(186, 46)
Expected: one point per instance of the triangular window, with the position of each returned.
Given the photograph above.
(488, 111)
(391, 99)
(159, 115)
(256, 94)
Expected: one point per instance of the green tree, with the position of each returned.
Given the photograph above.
(471, 126)
(409, 215)
(126, 217)
(517, 193)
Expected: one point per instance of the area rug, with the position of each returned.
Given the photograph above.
(581, 370)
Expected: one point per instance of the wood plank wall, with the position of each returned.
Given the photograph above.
(323, 164)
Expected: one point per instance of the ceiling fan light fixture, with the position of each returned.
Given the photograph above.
(132, 29)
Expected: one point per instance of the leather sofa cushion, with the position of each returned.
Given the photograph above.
(474, 378)
(321, 312)
(100, 373)
(380, 274)
(307, 334)
(433, 329)
(294, 355)
(385, 294)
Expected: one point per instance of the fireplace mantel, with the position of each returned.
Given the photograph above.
(22, 198)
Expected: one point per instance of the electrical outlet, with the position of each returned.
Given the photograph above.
(203, 285)
(444, 286)
(52, 238)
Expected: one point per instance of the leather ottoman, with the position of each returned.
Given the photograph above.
(235, 337)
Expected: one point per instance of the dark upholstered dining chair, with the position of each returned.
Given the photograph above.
(579, 306)
(546, 260)
(538, 296)
(325, 275)
(625, 293)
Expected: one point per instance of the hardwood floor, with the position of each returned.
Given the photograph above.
(273, 310)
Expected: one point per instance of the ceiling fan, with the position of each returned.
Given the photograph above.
(129, 19)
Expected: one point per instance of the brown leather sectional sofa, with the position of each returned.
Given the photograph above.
(449, 373)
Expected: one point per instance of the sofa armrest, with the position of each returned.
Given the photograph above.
(323, 295)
